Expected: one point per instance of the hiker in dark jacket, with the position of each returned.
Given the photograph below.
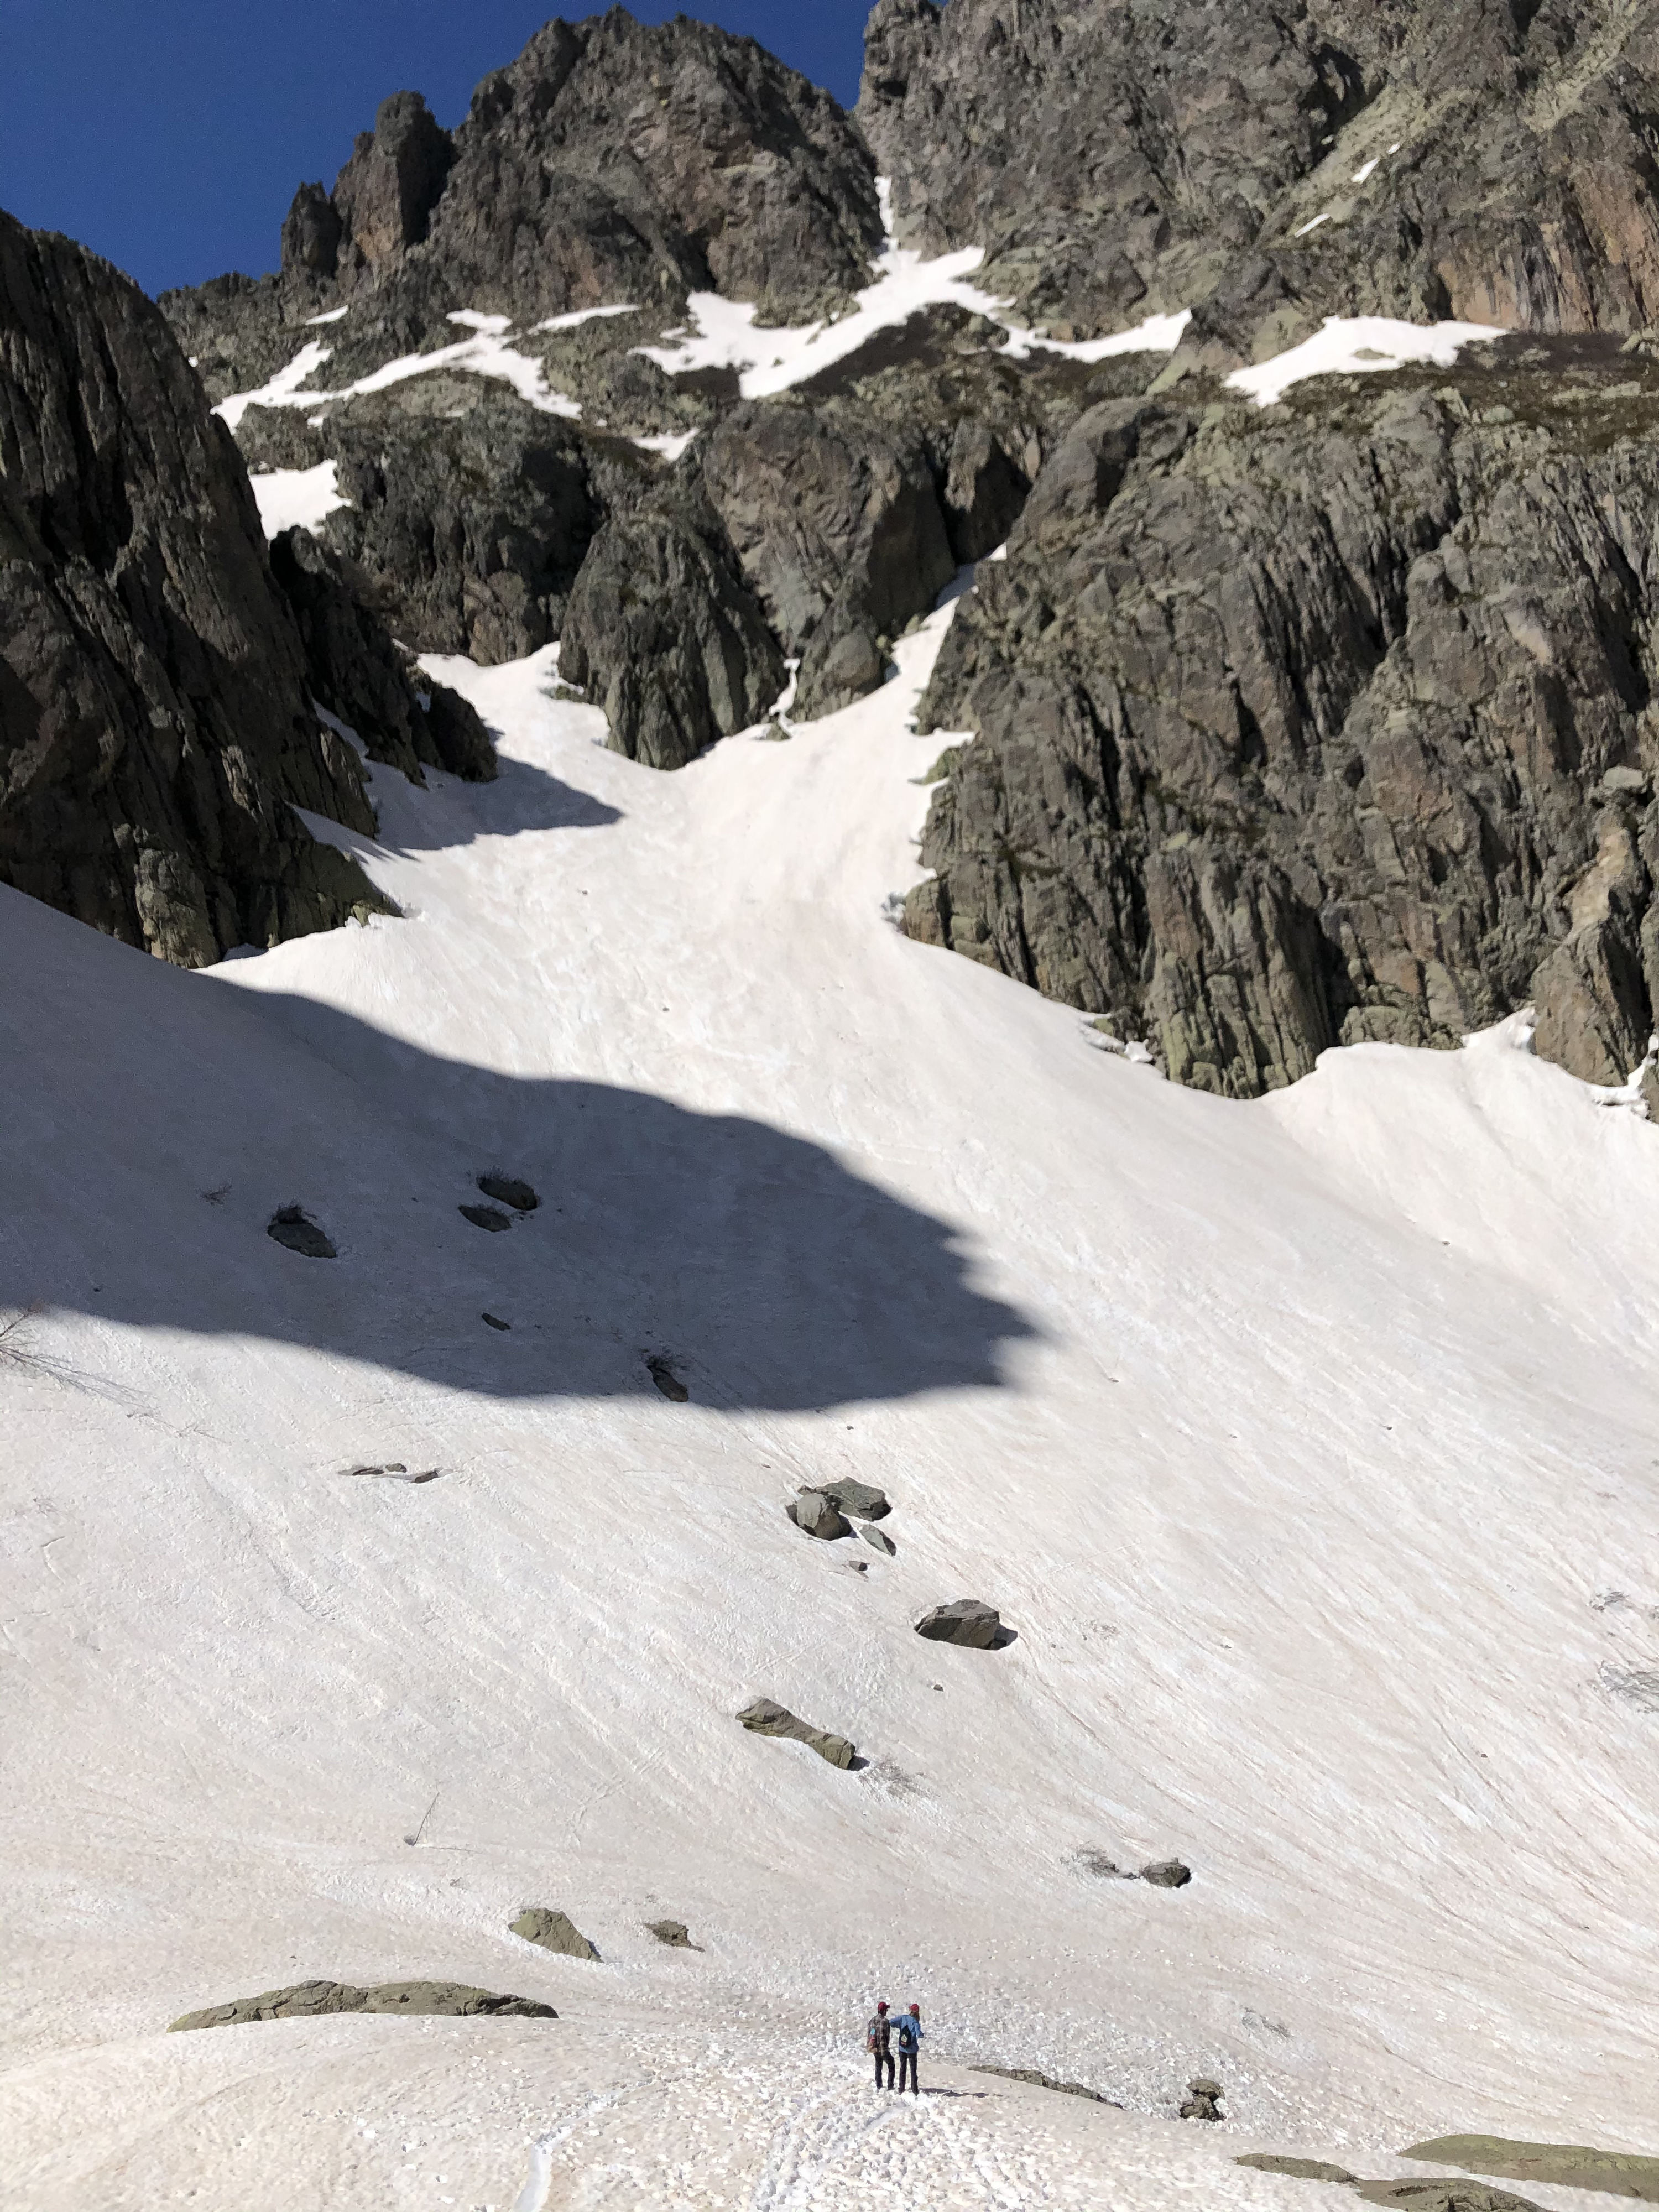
(906, 2034)
(879, 2037)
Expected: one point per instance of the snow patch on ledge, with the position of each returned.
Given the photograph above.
(301, 498)
(1355, 345)
(769, 360)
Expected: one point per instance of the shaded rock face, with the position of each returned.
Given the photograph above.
(861, 1499)
(156, 730)
(1182, 150)
(1295, 727)
(664, 633)
(1298, 2169)
(814, 1513)
(352, 661)
(553, 1931)
(611, 161)
(308, 2000)
(836, 519)
(1443, 2197)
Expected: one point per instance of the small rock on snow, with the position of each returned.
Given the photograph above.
(965, 1620)
(812, 1512)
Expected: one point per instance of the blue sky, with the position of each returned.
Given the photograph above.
(171, 136)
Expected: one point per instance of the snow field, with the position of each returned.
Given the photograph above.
(1296, 1440)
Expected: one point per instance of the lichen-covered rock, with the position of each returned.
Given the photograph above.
(308, 2000)
(1567, 2165)
(1438, 2196)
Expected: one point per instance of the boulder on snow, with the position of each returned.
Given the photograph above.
(813, 1512)
(765, 1718)
(294, 1229)
(1298, 2169)
(879, 1538)
(965, 1620)
(510, 1192)
(486, 1217)
(666, 1379)
(1167, 1874)
(856, 1499)
(674, 1933)
(553, 1931)
(1203, 2099)
(307, 2000)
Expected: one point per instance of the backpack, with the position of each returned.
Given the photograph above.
(907, 2031)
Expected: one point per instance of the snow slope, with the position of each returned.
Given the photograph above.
(1307, 1446)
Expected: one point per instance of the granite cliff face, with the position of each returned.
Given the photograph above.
(156, 720)
(1330, 724)
(1277, 726)
(1493, 161)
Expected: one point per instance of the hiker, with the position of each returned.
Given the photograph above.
(879, 2037)
(907, 2034)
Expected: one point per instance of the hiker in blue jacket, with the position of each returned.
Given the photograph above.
(906, 2036)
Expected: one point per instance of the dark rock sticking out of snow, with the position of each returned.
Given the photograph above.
(674, 1933)
(813, 1512)
(1441, 2196)
(1167, 1874)
(509, 1191)
(856, 1499)
(1047, 2081)
(1203, 2100)
(966, 1621)
(765, 1718)
(295, 1229)
(879, 1538)
(1568, 2166)
(307, 2000)
(666, 1379)
(495, 1322)
(553, 1931)
(1298, 2169)
(486, 1217)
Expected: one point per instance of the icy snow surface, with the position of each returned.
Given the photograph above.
(303, 496)
(1349, 345)
(1296, 1440)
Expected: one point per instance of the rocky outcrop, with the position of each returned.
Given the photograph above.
(1039, 2081)
(674, 1933)
(765, 1718)
(156, 730)
(352, 661)
(1443, 2197)
(836, 519)
(552, 1930)
(1565, 2166)
(308, 2000)
(1268, 168)
(664, 633)
(966, 1621)
(1298, 2169)
(1324, 723)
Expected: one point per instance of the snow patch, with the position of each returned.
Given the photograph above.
(485, 353)
(1307, 227)
(333, 315)
(1366, 168)
(297, 498)
(769, 360)
(671, 445)
(1351, 346)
